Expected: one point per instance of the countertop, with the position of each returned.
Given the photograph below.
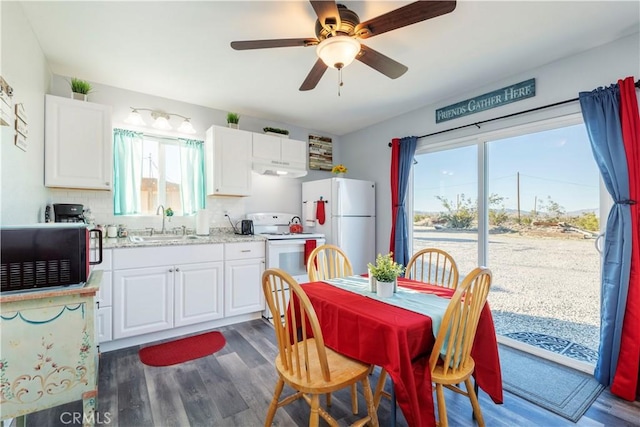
(213, 237)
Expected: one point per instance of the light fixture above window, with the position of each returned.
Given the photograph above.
(338, 51)
(161, 120)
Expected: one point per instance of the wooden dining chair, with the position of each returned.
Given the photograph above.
(328, 262)
(450, 361)
(303, 361)
(433, 266)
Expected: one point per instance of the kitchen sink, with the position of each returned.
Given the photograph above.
(163, 238)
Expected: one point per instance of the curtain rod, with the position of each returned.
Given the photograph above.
(637, 85)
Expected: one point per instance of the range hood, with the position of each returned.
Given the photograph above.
(278, 170)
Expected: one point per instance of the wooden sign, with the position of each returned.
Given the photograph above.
(320, 153)
(497, 98)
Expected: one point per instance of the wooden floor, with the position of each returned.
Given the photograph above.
(233, 387)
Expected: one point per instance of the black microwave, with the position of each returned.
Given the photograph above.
(46, 255)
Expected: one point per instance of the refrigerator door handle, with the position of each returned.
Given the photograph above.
(339, 201)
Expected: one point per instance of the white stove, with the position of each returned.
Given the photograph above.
(275, 226)
(285, 250)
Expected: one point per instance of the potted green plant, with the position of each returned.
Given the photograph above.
(385, 272)
(279, 132)
(80, 89)
(232, 120)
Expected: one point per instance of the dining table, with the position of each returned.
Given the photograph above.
(382, 333)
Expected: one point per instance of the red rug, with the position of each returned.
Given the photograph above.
(182, 350)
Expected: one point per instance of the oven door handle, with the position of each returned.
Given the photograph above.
(287, 242)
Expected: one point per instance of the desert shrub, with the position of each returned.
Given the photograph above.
(526, 220)
(458, 215)
(554, 211)
(419, 217)
(497, 216)
(587, 221)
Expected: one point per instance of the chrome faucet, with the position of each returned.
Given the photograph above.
(163, 217)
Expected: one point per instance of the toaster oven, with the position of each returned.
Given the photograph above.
(46, 255)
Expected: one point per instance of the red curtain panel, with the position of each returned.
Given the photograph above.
(395, 164)
(625, 381)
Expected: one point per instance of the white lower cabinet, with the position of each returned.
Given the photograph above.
(144, 301)
(166, 294)
(244, 265)
(198, 293)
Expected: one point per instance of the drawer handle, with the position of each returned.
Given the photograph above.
(246, 250)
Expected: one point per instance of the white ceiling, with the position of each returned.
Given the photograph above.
(180, 50)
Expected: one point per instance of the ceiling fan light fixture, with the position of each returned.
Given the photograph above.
(338, 52)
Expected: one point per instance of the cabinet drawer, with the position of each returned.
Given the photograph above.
(165, 255)
(244, 250)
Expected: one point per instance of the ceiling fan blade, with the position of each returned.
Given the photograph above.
(328, 14)
(380, 62)
(403, 16)
(314, 75)
(266, 44)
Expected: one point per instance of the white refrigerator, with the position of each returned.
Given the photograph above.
(350, 216)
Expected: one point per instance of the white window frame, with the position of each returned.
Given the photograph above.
(480, 140)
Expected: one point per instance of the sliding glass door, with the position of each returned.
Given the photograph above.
(445, 211)
(527, 204)
(543, 205)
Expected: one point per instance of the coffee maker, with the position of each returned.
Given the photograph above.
(68, 212)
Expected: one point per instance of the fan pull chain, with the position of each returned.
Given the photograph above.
(340, 83)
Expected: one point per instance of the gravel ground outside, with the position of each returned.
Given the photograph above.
(545, 285)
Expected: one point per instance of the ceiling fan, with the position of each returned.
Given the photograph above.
(338, 30)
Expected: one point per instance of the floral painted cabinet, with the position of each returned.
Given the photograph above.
(49, 355)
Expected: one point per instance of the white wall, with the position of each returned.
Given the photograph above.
(367, 153)
(24, 195)
(24, 68)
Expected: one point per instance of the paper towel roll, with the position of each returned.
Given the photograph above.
(309, 213)
(202, 222)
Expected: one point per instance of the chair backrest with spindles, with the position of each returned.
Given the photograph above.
(328, 262)
(460, 321)
(300, 341)
(434, 266)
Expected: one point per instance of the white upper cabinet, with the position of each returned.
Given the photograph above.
(279, 151)
(78, 144)
(228, 162)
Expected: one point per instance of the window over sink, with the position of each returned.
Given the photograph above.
(151, 170)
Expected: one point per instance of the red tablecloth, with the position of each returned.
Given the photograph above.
(400, 341)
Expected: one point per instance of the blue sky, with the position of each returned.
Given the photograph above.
(556, 163)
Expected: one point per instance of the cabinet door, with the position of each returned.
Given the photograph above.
(294, 152)
(228, 153)
(77, 144)
(266, 148)
(142, 301)
(198, 293)
(243, 287)
(105, 294)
